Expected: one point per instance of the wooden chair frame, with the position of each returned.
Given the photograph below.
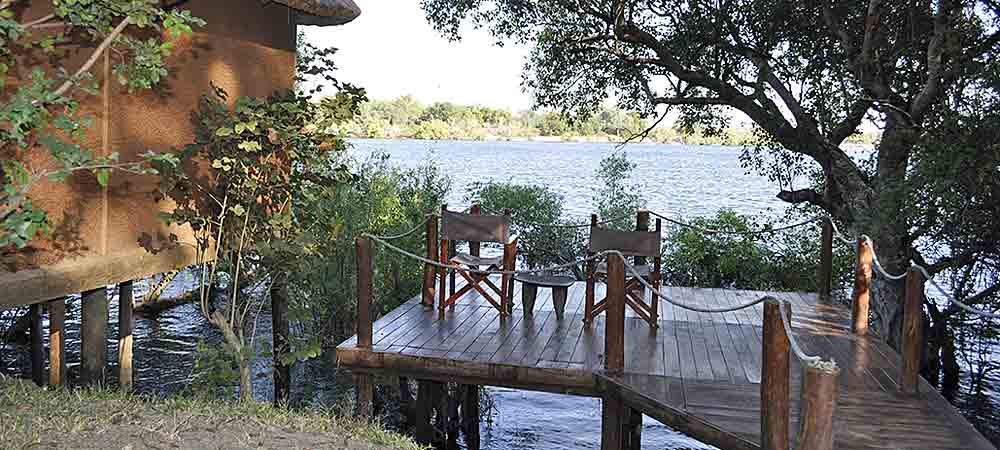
(634, 243)
(475, 228)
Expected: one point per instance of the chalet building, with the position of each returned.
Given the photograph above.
(247, 48)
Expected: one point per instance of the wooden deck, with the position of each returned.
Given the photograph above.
(698, 373)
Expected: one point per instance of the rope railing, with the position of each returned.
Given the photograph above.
(840, 237)
(808, 360)
(878, 265)
(951, 297)
(409, 232)
(459, 268)
(736, 232)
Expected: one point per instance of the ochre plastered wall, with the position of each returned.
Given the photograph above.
(246, 48)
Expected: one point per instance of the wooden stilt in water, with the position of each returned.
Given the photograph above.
(470, 416)
(826, 261)
(57, 342)
(37, 349)
(862, 288)
(817, 406)
(366, 394)
(126, 323)
(93, 326)
(279, 336)
(430, 272)
(426, 398)
(614, 335)
(774, 393)
(913, 312)
(632, 431)
(613, 416)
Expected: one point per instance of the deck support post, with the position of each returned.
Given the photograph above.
(641, 224)
(126, 323)
(37, 349)
(913, 311)
(826, 260)
(57, 342)
(632, 433)
(365, 384)
(427, 396)
(613, 417)
(365, 395)
(862, 288)
(470, 416)
(430, 272)
(774, 386)
(93, 345)
(817, 405)
(614, 334)
(279, 338)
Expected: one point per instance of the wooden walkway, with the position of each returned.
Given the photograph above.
(698, 373)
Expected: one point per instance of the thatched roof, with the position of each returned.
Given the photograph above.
(323, 12)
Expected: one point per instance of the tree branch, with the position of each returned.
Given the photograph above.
(62, 89)
(803, 196)
(850, 124)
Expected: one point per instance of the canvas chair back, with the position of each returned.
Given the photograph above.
(630, 243)
(456, 226)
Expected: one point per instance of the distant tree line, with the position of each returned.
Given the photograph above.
(406, 117)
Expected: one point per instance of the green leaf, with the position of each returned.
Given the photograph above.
(250, 146)
(224, 131)
(102, 176)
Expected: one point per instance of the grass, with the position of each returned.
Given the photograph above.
(89, 418)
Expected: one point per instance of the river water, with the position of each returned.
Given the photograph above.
(677, 180)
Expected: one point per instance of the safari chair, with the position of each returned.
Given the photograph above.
(641, 244)
(475, 228)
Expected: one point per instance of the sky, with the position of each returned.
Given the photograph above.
(391, 50)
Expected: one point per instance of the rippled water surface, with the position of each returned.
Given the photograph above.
(675, 179)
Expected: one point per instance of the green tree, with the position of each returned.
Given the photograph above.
(41, 109)
(807, 74)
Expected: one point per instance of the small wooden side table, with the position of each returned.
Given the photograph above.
(560, 287)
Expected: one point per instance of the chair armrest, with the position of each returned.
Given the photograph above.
(512, 239)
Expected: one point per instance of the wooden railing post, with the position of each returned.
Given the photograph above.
(126, 323)
(364, 246)
(37, 349)
(614, 324)
(913, 309)
(826, 261)
(862, 288)
(57, 342)
(817, 406)
(430, 272)
(774, 385)
(364, 382)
